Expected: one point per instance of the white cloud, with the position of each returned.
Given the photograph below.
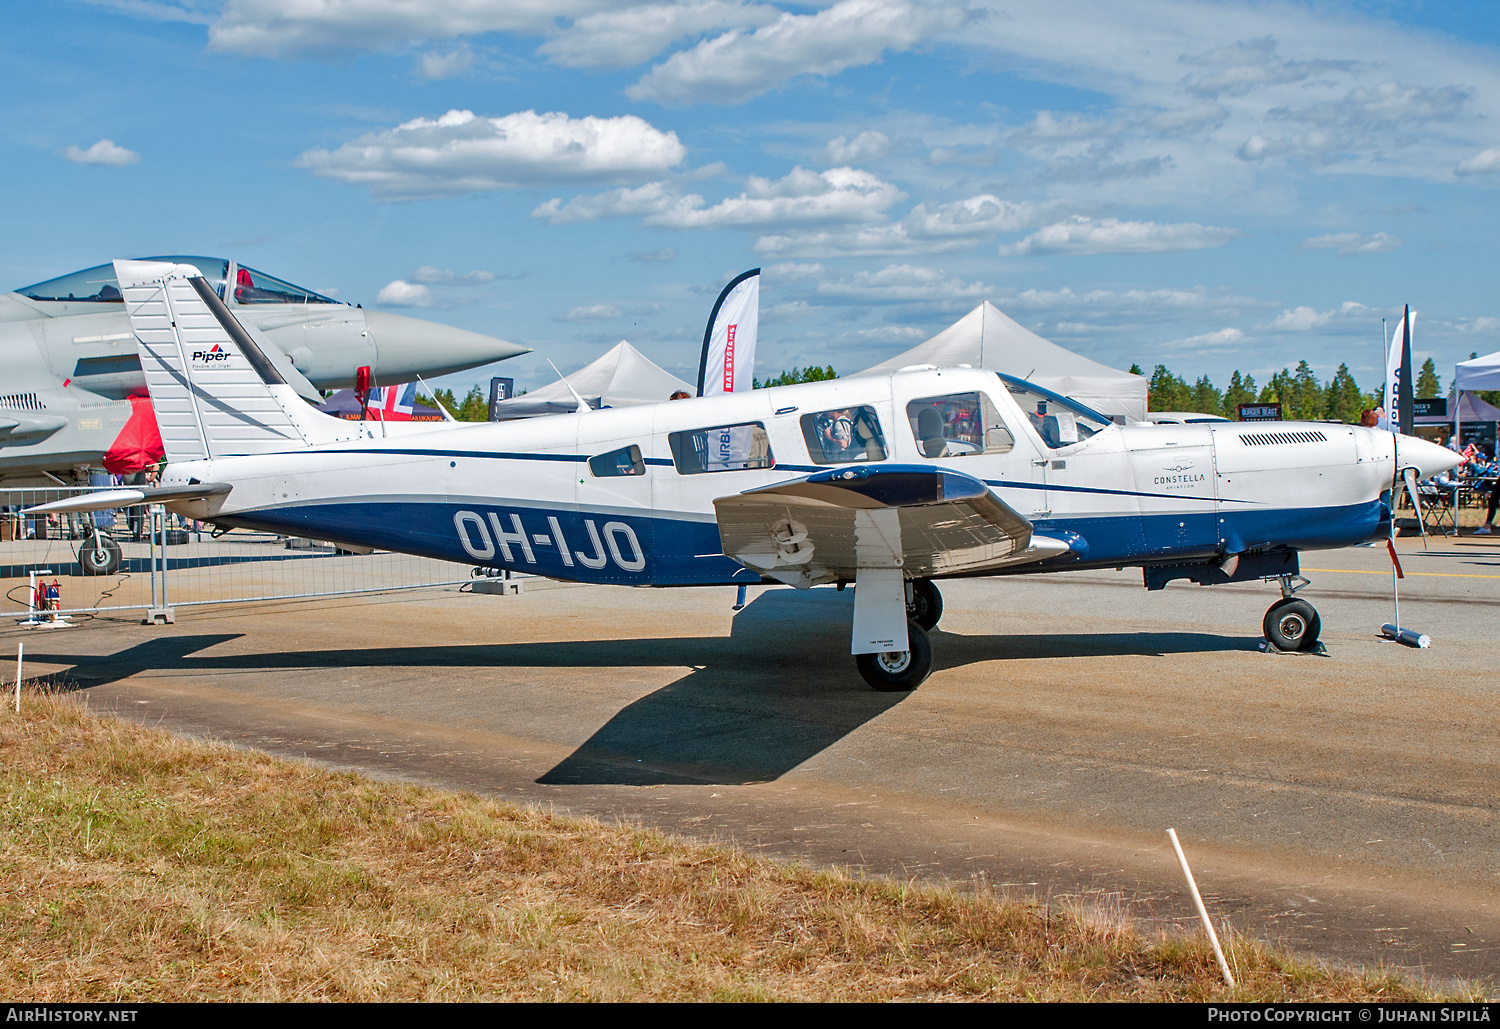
(328, 28)
(400, 293)
(1097, 299)
(651, 198)
(444, 66)
(1080, 235)
(1350, 244)
(1303, 318)
(867, 146)
(1251, 65)
(592, 313)
(1481, 163)
(900, 283)
(1187, 121)
(1486, 325)
(463, 153)
(1384, 104)
(1220, 338)
(736, 66)
(103, 152)
(441, 277)
(801, 197)
(927, 229)
(627, 37)
(662, 256)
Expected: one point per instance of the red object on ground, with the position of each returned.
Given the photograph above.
(138, 446)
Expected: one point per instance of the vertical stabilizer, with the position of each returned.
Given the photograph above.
(215, 391)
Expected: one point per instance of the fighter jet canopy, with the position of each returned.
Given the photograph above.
(98, 285)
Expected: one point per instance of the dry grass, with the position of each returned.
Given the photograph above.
(135, 865)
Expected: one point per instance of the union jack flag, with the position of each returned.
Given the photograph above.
(392, 403)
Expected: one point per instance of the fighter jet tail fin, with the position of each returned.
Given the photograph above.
(215, 390)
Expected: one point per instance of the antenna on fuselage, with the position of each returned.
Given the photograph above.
(447, 415)
(583, 405)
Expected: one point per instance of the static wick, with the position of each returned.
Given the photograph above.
(1208, 926)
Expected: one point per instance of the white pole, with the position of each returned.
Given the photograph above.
(1208, 926)
(19, 648)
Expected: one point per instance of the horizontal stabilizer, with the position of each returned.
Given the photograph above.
(107, 500)
(825, 527)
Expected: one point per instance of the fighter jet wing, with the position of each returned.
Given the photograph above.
(927, 521)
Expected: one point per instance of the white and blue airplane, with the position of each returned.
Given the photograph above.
(885, 482)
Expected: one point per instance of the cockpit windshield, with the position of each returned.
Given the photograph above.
(98, 284)
(253, 287)
(1060, 421)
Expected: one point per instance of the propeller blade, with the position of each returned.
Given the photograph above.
(1409, 476)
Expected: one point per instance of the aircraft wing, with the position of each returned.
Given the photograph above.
(106, 500)
(927, 521)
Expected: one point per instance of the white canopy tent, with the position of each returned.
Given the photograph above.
(987, 338)
(624, 377)
(1479, 373)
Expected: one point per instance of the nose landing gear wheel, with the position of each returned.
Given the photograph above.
(896, 671)
(99, 555)
(926, 605)
(1292, 624)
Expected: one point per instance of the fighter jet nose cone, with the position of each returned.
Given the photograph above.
(406, 347)
(1427, 458)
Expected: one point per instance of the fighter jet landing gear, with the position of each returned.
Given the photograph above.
(1291, 624)
(895, 671)
(924, 604)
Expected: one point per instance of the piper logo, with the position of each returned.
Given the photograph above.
(210, 356)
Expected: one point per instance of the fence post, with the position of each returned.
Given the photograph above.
(163, 613)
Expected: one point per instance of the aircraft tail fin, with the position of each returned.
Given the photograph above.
(215, 390)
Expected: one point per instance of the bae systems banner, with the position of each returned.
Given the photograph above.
(728, 362)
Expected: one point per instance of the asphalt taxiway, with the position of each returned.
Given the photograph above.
(1342, 804)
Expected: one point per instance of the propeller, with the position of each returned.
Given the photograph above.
(1409, 476)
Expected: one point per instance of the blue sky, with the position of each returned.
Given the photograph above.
(1207, 185)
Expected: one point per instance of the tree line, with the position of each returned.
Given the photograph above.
(1301, 396)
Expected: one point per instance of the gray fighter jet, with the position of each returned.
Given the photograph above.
(68, 362)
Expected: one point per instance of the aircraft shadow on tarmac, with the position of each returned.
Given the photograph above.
(775, 693)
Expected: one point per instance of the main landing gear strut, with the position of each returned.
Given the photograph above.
(888, 662)
(1290, 623)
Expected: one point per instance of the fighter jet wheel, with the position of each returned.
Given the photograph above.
(926, 605)
(1292, 624)
(99, 555)
(896, 671)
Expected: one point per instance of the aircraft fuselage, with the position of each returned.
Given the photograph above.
(524, 496)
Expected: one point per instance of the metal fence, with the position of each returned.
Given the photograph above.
(149, 559)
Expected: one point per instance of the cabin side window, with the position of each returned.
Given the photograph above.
(724, 448)
(958, 425)
(845, 435)
(625, 461)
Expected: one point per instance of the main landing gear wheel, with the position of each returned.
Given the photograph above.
(896, 671)
(926, 605)
(1292, 624)
(99, 555)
